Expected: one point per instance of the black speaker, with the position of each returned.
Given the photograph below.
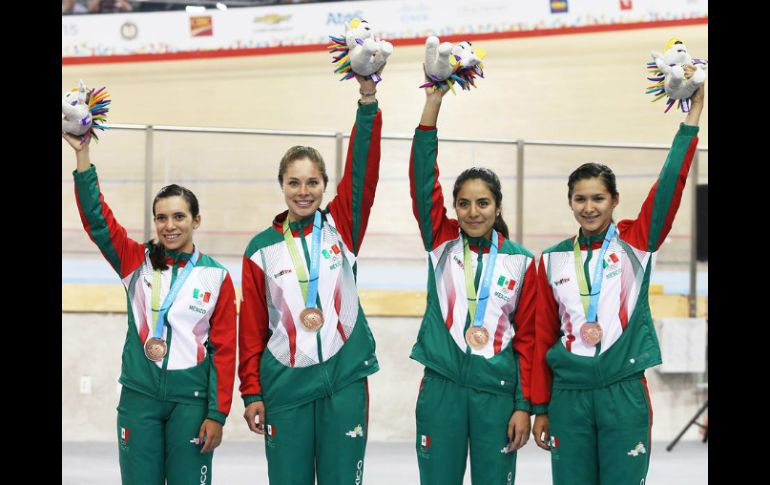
(702, 221)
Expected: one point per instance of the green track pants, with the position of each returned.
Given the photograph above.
(449, 417)
(154, 441)
(325, 438)
(601, 436)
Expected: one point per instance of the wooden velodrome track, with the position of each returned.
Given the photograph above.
(579, 87)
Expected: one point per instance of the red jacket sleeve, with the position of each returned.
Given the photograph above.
(524, 321)
(222, 336)
(253, 330)
(547, 327)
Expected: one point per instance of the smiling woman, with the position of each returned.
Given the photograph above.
(303, 179)
(173, 389)
(595, 333)
(305, 345)
(592, 197)
(477, 335)
(175, 212)
(478, 202)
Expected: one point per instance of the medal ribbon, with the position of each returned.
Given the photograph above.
(478, 305)
(309, 286)
(591, 300)
(159, 312)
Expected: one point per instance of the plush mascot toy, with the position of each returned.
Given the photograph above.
(668, 74)
(447, 64)
(358, 52)
(83, 111)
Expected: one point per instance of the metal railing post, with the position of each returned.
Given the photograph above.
(148, 150)
(520, 191)
(338, 157)
(693, 296)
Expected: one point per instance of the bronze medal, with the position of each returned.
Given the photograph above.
(155, 349)
(591, 333)
(311, 318)
(477, 337)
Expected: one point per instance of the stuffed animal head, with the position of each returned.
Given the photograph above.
(464, 55)
(76, 96)
(75, 115)
(676, 53)
(356, 32)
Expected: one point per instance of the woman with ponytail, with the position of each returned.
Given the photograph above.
(179, 356)
(476, 339)
(594, 334)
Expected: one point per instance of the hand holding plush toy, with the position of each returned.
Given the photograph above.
(668, 73)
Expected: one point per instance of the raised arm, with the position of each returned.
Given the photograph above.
(351, 206)
(651, 227)
(123, 253)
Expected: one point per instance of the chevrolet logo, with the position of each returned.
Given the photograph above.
(271, 19)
